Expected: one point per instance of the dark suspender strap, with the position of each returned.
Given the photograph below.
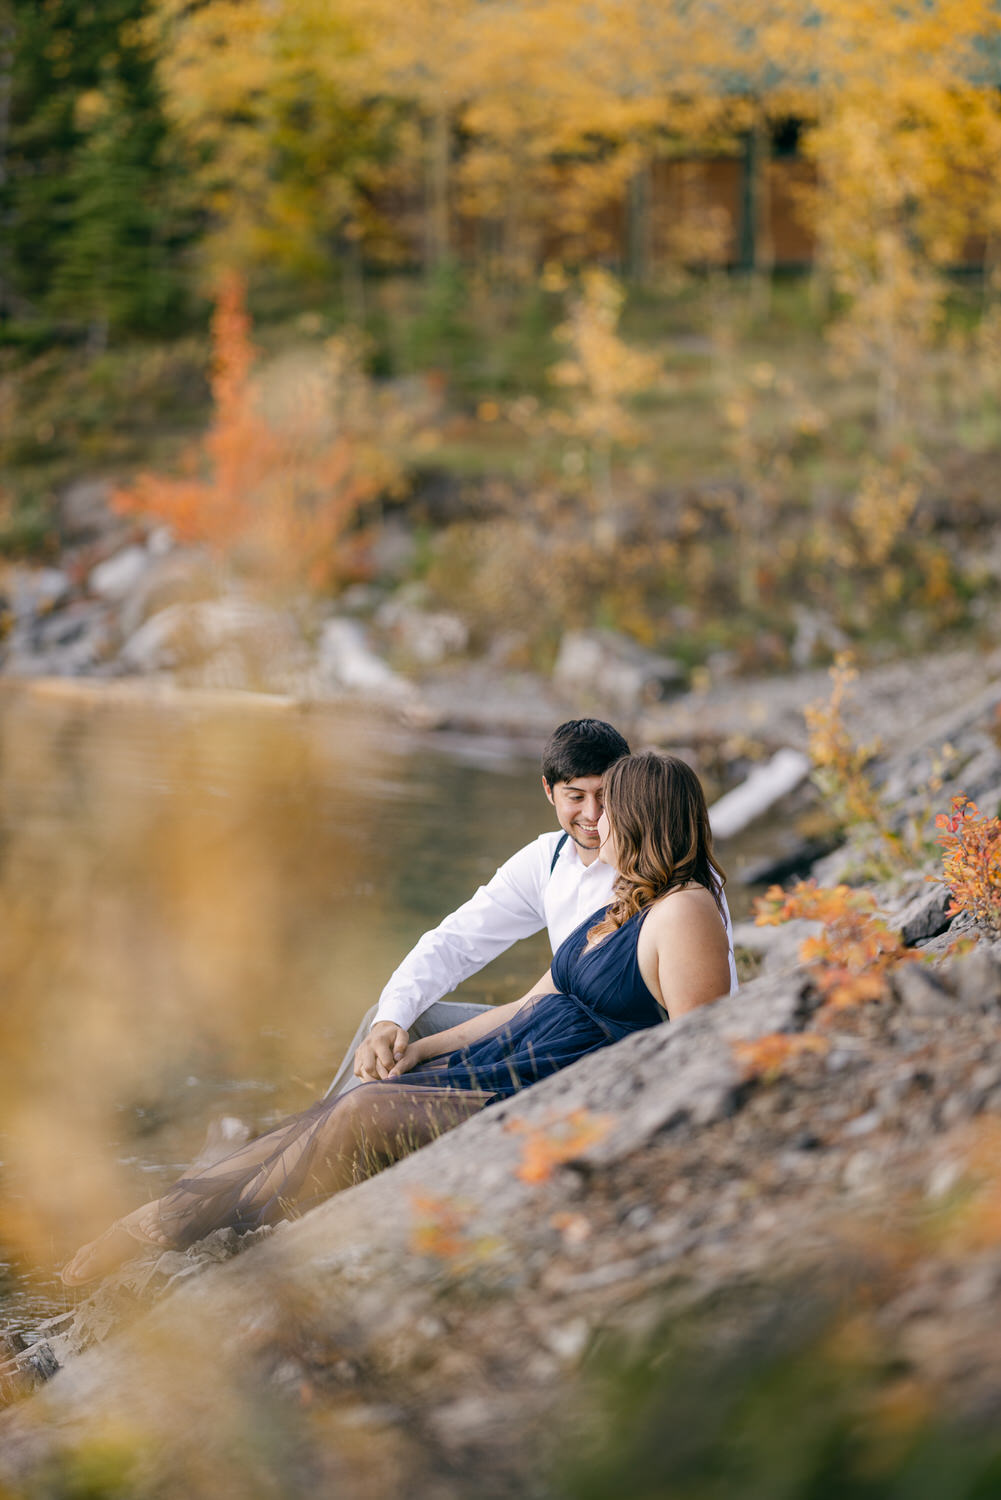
(556, 852)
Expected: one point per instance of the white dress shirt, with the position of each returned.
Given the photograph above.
(526, 894)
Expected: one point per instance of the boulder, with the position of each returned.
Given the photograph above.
(784, 950)
(48, 633)
(346, 662)
(116, 577)
(173, 576)
(31, 592)
(603, 667)
(426, 637)
(220, 643)
(925, 915)
(71, 642)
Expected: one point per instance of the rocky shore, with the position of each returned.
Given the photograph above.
(128, 604)
(758, 1244)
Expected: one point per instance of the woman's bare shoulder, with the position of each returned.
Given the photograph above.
(690, 904)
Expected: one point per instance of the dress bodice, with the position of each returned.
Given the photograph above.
(607, 977)
(599, 997)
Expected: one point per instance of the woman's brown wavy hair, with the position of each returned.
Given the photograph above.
(657, 811)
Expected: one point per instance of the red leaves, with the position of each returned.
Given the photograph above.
(971, 860)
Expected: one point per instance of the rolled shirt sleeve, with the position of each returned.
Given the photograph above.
(509, 907)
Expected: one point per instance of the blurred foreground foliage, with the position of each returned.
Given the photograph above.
(803, 1406)
(170, 909)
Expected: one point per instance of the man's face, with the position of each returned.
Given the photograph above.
(578, 806)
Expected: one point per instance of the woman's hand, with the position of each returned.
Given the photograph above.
(441, 1043)
(416, 1053)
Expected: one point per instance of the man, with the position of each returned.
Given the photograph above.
(555, 882)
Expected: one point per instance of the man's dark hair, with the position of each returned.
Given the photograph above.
(581, 747)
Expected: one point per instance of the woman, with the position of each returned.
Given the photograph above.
(657, 951)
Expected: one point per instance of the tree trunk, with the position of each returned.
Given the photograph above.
(638, 225)
(761, 224)
(436, 237)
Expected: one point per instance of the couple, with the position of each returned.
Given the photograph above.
(633, 899)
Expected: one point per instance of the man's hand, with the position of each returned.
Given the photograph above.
(381, 1049)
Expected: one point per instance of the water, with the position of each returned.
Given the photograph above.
(200, 901)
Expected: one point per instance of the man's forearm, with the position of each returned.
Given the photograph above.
(509, 907)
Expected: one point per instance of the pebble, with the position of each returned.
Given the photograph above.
(569, 1340)
(864, 1124)
(945, 1175)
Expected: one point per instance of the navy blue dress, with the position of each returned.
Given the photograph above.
(602, 998)
(343, 1139)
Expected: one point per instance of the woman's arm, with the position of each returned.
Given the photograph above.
(441, 1042)
(684, 953)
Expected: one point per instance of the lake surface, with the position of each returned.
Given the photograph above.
(200, 900)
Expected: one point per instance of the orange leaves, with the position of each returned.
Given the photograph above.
(812, 902)
(558, 1141)
(855, 950)
(212, 506)
(882, 512)
(850, 959)
(440, 1229)
(768, 1057)
(971, 860)
(276, 493)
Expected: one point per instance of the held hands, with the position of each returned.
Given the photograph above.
(415, 1053)
(381, 1052)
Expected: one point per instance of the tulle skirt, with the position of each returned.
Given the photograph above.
(342, 1140)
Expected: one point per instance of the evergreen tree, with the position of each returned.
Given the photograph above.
(88, 191)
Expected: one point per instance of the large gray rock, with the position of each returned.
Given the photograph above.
(707, 1187)
(31, 592)
(347, 663)
(49, 633)
(601, 666)
(427, 637)
(926, 915)
(220, 643)
(117, 576)
(174, 575)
